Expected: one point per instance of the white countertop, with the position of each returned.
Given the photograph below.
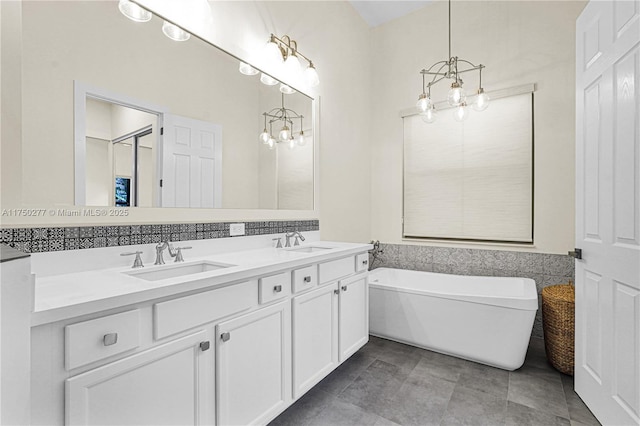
(63, 296)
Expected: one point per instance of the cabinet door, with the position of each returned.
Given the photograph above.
(254, 366)
(170, 384)
(315, 337)
(354, 315)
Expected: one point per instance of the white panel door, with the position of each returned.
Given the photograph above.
(191, 163)
(354, 315)
(254, 366)
(315, 337)
(607, 356)
(171, 384)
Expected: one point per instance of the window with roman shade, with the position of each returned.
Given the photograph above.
(471, 180)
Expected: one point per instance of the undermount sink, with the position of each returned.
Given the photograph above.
(172, 271)
(309, 249)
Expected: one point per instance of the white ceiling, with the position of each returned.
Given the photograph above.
(381, 11)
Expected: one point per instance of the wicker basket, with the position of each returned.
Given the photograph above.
(558, 323)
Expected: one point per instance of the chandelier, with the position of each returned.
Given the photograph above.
(282, 117)
(457, 98)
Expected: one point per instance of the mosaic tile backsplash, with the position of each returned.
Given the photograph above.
(37, 240)
(544, 269)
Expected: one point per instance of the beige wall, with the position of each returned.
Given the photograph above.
(99, 172)
(98, 120)
(10, 104)
(519, 42)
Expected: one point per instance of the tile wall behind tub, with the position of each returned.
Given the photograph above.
(37, 240)
(544, 269)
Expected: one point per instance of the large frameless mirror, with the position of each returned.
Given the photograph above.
(157, 122)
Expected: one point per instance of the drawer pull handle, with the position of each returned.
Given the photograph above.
(307, 279)
(225, 336)
(277, 289)
(365, 262)
(204, 346)
(110, 339)
(344, 288)
(336, 291)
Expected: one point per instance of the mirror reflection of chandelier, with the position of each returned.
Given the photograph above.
(283, 119)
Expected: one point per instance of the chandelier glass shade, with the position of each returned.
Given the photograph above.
(451, 69)
(283, 120)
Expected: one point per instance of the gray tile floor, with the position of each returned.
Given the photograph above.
(388, 383)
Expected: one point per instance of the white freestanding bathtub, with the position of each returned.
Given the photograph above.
(483, 319)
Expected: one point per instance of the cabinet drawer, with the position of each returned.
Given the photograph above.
(362, 262)
(90, 341)
(274, 287)
(336, 269)
(181, 314)
(305, 278)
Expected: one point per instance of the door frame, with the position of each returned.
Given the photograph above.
(83, 90)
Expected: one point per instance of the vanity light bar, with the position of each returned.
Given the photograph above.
(137, 13)
(289, 53)
(284, 51)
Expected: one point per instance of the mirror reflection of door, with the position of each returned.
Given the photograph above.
(120, 155)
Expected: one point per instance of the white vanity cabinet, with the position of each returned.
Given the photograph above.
(233, 353)
(254, 366)
(330, 324)
(353, 315)
(315, 337)
(167, 384)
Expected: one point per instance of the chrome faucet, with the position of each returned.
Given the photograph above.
(288, 236)
(160, 247)
(137, 263)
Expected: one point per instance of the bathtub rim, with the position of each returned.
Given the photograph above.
(518, 303)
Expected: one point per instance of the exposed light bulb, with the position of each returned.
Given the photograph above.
(292, 143)
(271, 143)
(423, 103)
(247, 69)
(302, 141)
(174, 32)
(481, 101)
(268, 80)
(456, 95)
(286, 89)
(311, 76)
(460, 113)
(265, 136)
(292, 65)
(285, 134)
(430, 115)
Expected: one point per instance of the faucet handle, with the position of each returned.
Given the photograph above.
(279, 242)
(179, 257)
(137, 262)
